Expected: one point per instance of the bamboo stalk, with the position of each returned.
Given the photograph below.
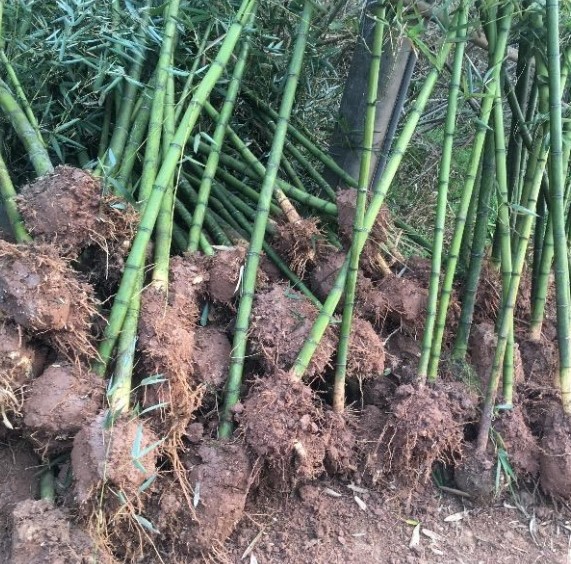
(360, 205)
(253, 257)
(443, 182)
(8, 195)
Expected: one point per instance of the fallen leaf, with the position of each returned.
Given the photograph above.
(332, 493)
(455, 517)
(415, 539)
(361, 503)
(431, 535)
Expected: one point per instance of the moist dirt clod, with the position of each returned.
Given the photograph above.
(63, 399)
(225, 271)
(281, 321)
(211, 359)
(475, 475)
(40, 292)
(121, 454)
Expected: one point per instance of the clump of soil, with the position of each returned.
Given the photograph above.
(520, 444)
(188, 279)
(405, 303)
(555, 455)
(366, 358)
(17, 363)
(224, 272)
(540, 362)
(325, 273)
(378, 253)
(59, 403)
(283, 425)
(475, 475)
(44, 533)
(211, 357)
(20, 481)
(301, 243)
(220, 475)
(341, 454)
(483, 341)
(39, 291)
(281, 321)
(425, 426)
(65, 209)
(166, 334)
(122, 455)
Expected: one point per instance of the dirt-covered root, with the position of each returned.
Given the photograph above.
(405, 304)
(20, 481)
(540, 362)
(366, 358)
(66, 209)
(475, 475)
(301, 243)
(482, 347)
(59, 403)
(166, 334)
(225, 272)
(122, 454)
(283, 425)
(555, 456)
(325, 273)
(211, 357)
(40, 292)
(522, 447)
(188, 280)
(425, 426)
(220, 476)
(18, 365)
(341, 452)
(380, 251)
(42, 533)
(281, 321)
(489, 293)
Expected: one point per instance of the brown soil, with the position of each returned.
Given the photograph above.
(59, 403)
(324, 524)
(40, 292)
(43, 533)
(225, 268)
(405, 303)
(475, 475)
(520, 444)
(366, 358)
(66, 209)
(18, 363)
(540, 361)
(555, 457)
(281, 321)
(20, 481)
(211, 358)
(282, 424)
(482, 346)
(424, 427)
(325, 272)
(220, 476)
(301, 243)
(123, 456)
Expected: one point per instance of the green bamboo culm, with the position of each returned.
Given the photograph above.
(33, 143)
(232, 391)
(8, 195)
(360, 205)
(166, 171)
(443, 182)
(489, 94)
(379, 194)
(217, 142)
(163, 231)
(556, 201)
(505, 321)
(477, 250)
